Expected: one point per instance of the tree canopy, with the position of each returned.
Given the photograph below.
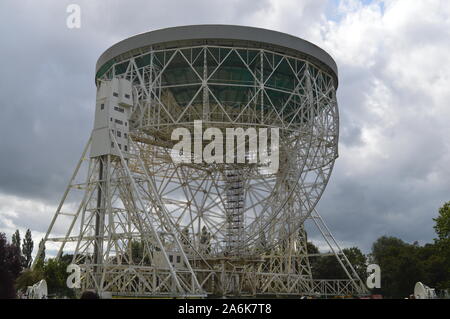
(442, 226)
(27, 249)
(10, 267)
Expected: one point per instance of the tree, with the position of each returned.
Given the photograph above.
(7, 286)
(436, 266)
(442, 226)
(42, 245)
(137, 251)
(53, 271)
(438, 263)
(27, 249)
(29, 277)
(400, 264)
(16, 239)
(10, 267)
(56, 276)
(328, 267)
(358, 261)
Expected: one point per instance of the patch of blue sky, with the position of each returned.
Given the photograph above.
(333, 14)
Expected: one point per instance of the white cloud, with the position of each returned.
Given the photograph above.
(18, 213)
(394, 66)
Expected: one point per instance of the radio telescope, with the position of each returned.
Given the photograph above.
(145, 224)
(422, 291)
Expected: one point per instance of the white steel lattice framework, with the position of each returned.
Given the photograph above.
(140, 224)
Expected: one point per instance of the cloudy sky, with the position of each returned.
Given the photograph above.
(394, 67)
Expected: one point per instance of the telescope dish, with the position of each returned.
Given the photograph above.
(224, 213)
(40, 290)
(422, 291)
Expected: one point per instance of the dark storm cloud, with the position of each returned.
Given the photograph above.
(45, 91)
(47, 83)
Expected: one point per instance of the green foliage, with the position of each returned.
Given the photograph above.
(436, 266)
(328, 267)
(16, 239)
(312, 249)
(358, 261)
(440, 263)
(42, 245)
(28, 278)
(10, 267)
(138, 253)
(55, 275)
(403, 264)
(27, 249)
(442, 226)
(400, 266)
(53, 272)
